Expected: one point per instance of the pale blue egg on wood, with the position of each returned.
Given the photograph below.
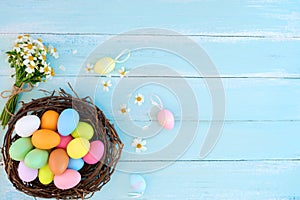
(75, 164)
(67, 121)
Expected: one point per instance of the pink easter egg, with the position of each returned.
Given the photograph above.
(26, 174)
(95, 153)
(69, 179)
(64, 141)
(166, 119)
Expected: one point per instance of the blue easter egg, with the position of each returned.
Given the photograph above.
(67, 121)
(75, 164)
(137, 184)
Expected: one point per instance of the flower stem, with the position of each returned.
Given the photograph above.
(10, 106)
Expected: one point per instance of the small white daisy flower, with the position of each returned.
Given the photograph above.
(53, 52)
(123, 72)
(30, 69)
(29, 60)
(39, 43)
(29, 47)
(123, 109)
(139, 145)
(139, 99)
(46, 69)
(89, 68)
(18, 47)
(106, 85)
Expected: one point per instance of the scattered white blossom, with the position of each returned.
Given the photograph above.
(139, 145)
(89, 68)
(139, 99)
(122, 72)
(124, 109)
(106, 85)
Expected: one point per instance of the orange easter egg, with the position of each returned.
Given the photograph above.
(49, 120)
(45, 139)
(58, 161)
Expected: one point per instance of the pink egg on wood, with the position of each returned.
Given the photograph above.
(95, 153)
(67, 180)
(166, 119)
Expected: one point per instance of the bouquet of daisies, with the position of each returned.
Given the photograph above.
(29, 59)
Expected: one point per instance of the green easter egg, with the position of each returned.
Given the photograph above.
(19, 149)
(36, 158)
(104, 65)
(45, 175)
(83, 130)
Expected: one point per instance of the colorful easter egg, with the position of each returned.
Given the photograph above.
(75, 164)
(78, 148)
(67, 121)
(19, 149)
(104, 65)
(45, 175)
(36, 158)
(95, 153)
(45, 139)
(166, 119)
(67, 180)
(137, 185)
(26, 174)
(49, 120)
(64, 141)
(83, 130)
(58, 161)
(26, 125)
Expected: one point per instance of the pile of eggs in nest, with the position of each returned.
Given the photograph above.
(54, 148)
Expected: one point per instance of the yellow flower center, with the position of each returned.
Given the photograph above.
(52, 72)
(123, 110)
(54, 50)
(29, 46)
(39, 39)
(105, 85)
(30, 58)
(139, 98)
(44, 57)
(17, 45)
(139, 146)
(46, 69)
(26, 35)
(31, 67)
(123, 73)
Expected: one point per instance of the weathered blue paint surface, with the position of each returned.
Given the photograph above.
(254, 45)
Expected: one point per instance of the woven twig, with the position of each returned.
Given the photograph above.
(94, 177)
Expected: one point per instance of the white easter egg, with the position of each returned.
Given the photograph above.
(27, 125)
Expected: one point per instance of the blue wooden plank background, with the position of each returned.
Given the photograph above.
(253, 44)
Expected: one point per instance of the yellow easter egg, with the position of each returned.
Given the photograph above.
(104, 65)
(78, 148)
(45, 175)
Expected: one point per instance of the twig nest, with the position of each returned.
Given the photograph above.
(69, 154)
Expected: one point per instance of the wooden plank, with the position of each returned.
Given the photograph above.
(238, 141)
(203, 180)
(233, 57)
(245, 18)
(245, 98)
